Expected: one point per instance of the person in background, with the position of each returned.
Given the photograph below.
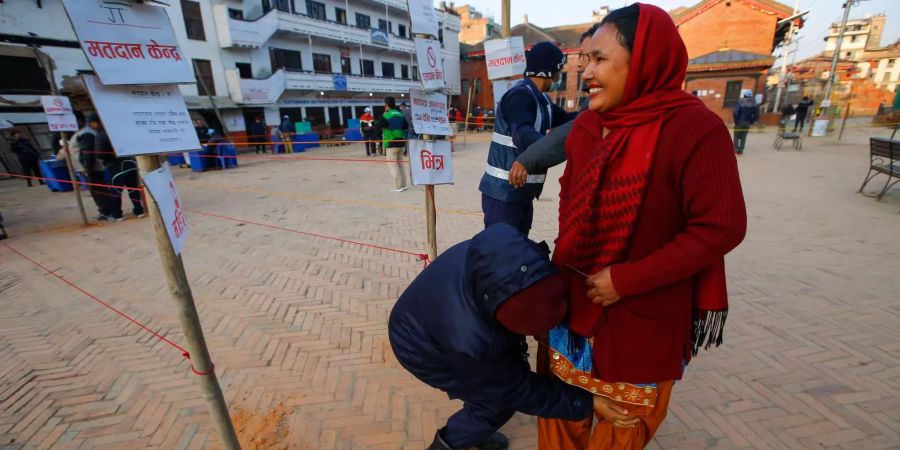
(257, 133)
(410, 131)
(745, 115)
(124, 174)
(28, 156)
(74, 147)
(802, 111)
(94, 147)
(394, 126)
(287, 130)
(369, 132)
(524, 116)
(200, 128)
(787, 110)
(460, 327)
(550, 150)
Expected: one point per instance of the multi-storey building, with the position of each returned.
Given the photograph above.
(322, 61)
(860, 35)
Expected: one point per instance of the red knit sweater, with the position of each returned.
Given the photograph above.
(691, 215)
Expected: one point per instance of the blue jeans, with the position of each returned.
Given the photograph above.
(519, 215)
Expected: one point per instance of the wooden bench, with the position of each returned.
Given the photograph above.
(884, 158)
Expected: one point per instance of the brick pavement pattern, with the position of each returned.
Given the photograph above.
(811, 359)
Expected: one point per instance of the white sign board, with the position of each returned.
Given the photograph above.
(820, 127)
(142, 120)
(56, 104)
(826, 103)
(128, 42)
(423, 17)
(62, 122)
(162, 188)
(431, 63)
(500, 88)
(430, 113)
(504, 57)
(430, 162)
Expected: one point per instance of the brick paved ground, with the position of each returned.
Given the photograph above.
(297, 324)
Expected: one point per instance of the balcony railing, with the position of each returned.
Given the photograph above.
(244, 33)
(337, 31)
(305, 80)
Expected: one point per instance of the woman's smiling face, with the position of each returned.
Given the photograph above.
(607, 70)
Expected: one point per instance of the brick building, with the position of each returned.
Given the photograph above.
(730, 44)
(473, 72)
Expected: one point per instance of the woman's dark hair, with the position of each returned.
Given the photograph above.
(626, 21)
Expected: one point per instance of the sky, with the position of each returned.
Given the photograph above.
(821, 14)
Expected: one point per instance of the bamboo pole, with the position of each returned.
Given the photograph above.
(468, 115)
(180, 290)
(431, 221)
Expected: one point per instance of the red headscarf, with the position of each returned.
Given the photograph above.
(596, 222)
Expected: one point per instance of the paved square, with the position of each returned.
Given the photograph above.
(297, 324)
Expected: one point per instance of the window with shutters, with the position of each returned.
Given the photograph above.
(340, 15)
(315, 9)
(387, 70)
(363, 21)
(193, 20)
(732, 93)
(321, 63)
(203, 73)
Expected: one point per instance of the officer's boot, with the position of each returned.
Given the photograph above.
(439, 443)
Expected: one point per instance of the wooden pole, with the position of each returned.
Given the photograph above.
(431, 222)
(212, 101)
(76, 189)
(176, 278)
(844, 122)
(468, 115)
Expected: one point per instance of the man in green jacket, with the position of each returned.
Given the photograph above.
(394, 125)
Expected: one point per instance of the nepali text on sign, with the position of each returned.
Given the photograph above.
(430, 113)
(431, 162)
(423, 17)
(143, 120)
(56, 104)
(431, 63)
(504, 57)
(129, 42)
(162, 189)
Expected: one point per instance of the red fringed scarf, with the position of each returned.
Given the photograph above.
(597, 220)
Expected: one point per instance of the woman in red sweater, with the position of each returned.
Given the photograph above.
(650, 203)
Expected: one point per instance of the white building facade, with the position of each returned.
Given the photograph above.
(322, 61)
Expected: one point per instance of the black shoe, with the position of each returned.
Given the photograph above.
(496, 441)
(438, 443)
(42, 182)
(29, 183)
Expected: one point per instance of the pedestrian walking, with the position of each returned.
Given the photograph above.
(745, 114)
(29, 156)
(394, 126)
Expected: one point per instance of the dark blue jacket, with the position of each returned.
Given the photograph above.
(746, 112)
(443, 329)
(524, 115)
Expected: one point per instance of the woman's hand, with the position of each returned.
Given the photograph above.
(518, 175)
(612, 412)
(600, 288)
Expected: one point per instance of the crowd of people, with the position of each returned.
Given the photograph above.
(650, 202)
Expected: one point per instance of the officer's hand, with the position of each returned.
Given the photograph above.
(609, 410)
(518, 175)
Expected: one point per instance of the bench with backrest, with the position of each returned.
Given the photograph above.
(884, 158)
